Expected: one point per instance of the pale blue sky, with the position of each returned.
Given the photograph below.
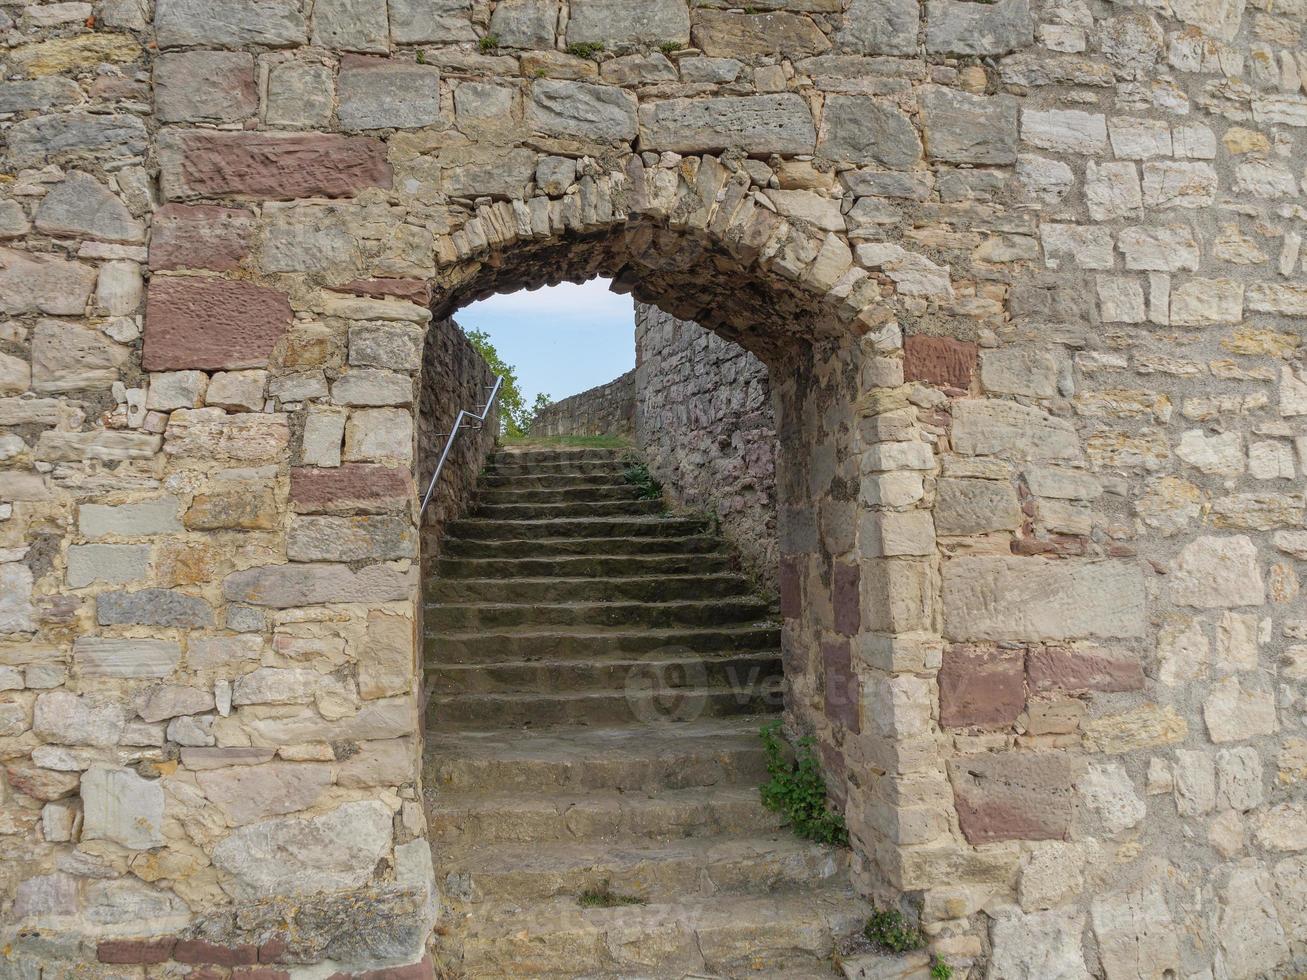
(561, 339)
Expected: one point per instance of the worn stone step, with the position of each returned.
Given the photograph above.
(736, 671)
(612, 467)
(574, 566)
(490, 480)
(646, 588)
(664, 815)
(546, 547)
(558, 495)
(482, 529)
(558, 454)
(568, 509)
(645, 757)
(646, 702)
(723, 936)
(666, 871)
(681, 612)
(529, 643)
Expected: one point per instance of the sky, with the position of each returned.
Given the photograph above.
(561, 339)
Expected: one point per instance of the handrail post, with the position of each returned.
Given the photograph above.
(453, 434)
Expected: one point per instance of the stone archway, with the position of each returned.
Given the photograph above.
(1050, 361)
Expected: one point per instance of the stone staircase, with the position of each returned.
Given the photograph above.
(597, 674)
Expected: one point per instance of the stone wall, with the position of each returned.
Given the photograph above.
(1028, 280)
(457, 378)
(704, 422)
(605, 410)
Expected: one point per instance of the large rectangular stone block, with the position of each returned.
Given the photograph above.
(274, 166)
(211, 324)
(132, 658)
(758, 124)
(581, 109)
(37, 283)
(989, 426)
(283, 586)
(963, 128)
(622, 23)
(1002, 598)
(228, 23)
(355, 487)
(376, 93)
(1013, 795)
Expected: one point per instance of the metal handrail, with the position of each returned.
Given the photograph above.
(453, 434)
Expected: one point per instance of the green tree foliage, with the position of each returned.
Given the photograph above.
(515, 416)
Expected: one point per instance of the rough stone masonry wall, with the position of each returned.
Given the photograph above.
(1028, 282)
(703, 419)
(605, 410)
(457, 378)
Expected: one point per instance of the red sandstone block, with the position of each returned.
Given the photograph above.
(276, 166)
(272, 951)
(846, 597)
(211, 324)
(1013, 795)
(980, 687)
(790, 586)
(356, 487)
(199, 951)
(1076, 672)
(135, 950)
(260, 973)
(842, 689)
(413, 290)
(200, 236)
(939, 361)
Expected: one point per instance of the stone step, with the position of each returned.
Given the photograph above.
(665, 815)
(558, 495)
(577, 566)
(739, 671)
(482, 529)
(529, 643)
(612, 467)
(653, 871)
(533, 454)
(457, 617)
(646, 588)
(695, 543)
(708, 752)
(568, 509)
(723, 936)
(491, 481)
(643, 703)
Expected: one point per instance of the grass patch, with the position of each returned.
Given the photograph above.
(637, 474)
(578, 442)
(585, 49)
(489, 43)
(605, 898)
(887, 929)
(798, 791)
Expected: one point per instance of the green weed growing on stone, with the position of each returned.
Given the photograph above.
(637, 474)
(604, 897)
(585, 49)
(797, 790)
(488, 43)
(421, 57)
(888, 930)
(939, 970)
(667, 47)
